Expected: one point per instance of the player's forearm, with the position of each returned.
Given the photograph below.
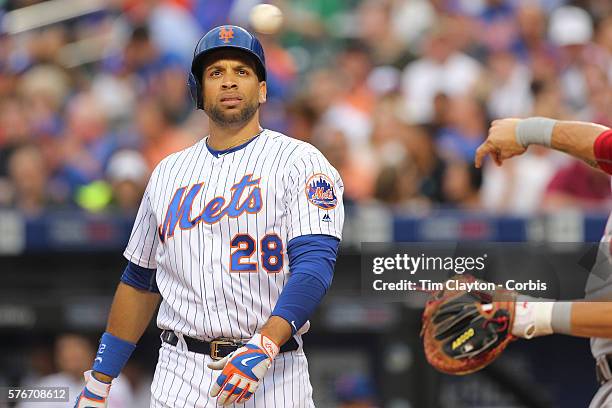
(131, 312)
(591, 319)
(277, 329)
(577, 139)
(539, 317)
(311, 261)
(511, 137)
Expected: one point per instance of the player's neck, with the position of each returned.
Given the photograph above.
(223, 138)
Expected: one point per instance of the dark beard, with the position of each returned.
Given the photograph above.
(232, 119)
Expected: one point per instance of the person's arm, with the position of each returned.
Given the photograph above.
(130, 314)
(277, 329)
(578, 140)
(312, 254)
(591, 319)
(583, 140)
(134, 304)
(540, 317)
(311, 260)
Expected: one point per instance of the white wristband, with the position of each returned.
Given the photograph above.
(266, 343)
(96, 386)
(533, 318)
(535, 130)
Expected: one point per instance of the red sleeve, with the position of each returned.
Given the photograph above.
(603, 151)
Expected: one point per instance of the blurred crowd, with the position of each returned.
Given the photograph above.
(397, 94)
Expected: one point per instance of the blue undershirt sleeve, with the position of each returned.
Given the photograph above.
(311, 261)
(139, 277)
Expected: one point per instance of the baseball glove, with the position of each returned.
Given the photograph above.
(464, 331)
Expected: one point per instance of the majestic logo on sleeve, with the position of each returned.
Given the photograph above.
(179, 209)
(320, 192)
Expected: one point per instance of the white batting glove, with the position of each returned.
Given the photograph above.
(532, 318)
(95, 393)
(243, 370)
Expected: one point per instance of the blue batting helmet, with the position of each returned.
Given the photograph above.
(227, 36)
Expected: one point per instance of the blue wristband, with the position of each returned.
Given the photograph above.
(112, 355)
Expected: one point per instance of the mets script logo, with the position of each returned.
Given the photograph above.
(226, 34)
(245, 198)
(320, 192)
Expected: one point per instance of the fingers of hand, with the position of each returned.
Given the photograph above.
(87, 399)
(231, 391)
(219, 364)
(485, 149)
(480, 154)
(488, 149)
(231, 387)
(246, 395)
(216, 386)
(222, 394)
(78, 400)
(229, 371)
(236, 390)
(241, 374)
(497, 157)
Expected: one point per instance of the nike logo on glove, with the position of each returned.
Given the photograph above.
(246, 360)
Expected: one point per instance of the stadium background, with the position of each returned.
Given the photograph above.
(396, 93)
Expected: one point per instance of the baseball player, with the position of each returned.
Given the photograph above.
(591, 143)
(237, 236)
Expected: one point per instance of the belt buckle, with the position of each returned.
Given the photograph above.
(603, 369)
(214, 347)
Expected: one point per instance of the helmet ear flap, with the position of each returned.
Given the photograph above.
(195, 91)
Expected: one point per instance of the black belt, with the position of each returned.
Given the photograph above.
(602, 368)
(217, 348)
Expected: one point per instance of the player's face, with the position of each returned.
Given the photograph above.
(232, 92)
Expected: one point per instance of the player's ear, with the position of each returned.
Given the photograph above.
(263, 91)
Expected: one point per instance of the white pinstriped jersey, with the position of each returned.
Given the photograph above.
(216, 229)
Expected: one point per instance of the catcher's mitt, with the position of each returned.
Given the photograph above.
(465, 331)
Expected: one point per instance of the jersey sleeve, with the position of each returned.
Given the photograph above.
(314, 197)
(603, 151)
(142, 246)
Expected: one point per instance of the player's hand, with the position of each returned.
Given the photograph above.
(95, 393)
(501, 144)
(243, 370)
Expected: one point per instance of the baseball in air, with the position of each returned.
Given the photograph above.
(266, 18)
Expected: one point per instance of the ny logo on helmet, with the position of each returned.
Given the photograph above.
(226, 34)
